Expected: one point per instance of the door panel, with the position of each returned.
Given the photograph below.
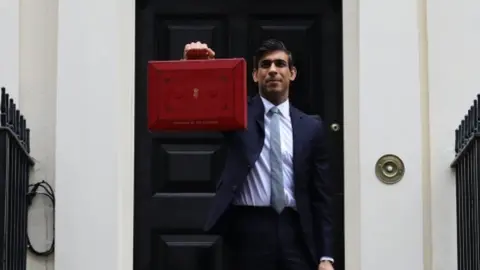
(298, 34)
(176, 173)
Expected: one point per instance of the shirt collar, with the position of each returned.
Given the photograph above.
(284, 108)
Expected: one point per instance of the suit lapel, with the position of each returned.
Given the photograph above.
(258, 113)
(254, 136)
(298, 134)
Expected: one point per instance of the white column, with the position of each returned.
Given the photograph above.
(383, 114)
(10, 47)
(94, 130)
(38, 80)
(391, 227)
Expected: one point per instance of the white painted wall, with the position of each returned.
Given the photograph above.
(410, 74)
(454, 82)
(383, 115)
(9, 46)
(94, 135)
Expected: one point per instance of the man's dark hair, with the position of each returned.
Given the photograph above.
(268, 46)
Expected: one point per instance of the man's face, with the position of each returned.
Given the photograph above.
(273, 74)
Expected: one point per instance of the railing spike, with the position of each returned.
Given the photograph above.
(3, 108)
(27, 139)
(468, 123)
(10, 113)
(17, 123)
(475, 116)
(22, 130)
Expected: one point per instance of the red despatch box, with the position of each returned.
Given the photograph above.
(196, 95)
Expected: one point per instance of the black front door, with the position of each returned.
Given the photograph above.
(175, 173)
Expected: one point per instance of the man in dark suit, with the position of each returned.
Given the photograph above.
(273, 203)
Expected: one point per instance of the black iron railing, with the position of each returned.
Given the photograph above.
(15, 164)
(467, 167)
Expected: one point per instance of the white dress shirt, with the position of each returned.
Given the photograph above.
(257, 189)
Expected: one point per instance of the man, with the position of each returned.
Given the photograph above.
(273, 203)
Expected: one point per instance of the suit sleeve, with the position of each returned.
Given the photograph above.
(321, 195)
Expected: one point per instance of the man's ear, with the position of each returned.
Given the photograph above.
(254, 75)
(293, 73)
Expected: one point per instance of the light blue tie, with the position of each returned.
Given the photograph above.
(277, 198)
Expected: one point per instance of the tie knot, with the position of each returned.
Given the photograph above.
(274, 110)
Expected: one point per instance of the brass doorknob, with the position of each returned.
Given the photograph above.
(335, 127)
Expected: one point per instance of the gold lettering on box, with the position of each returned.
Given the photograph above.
(196, 122)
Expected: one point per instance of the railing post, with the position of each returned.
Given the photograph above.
(15, 165)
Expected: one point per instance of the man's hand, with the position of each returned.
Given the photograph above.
(198, 50)
(325, 265)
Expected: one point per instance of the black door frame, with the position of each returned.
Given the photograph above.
(338, 112)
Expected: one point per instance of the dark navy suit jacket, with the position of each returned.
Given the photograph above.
(311, 178)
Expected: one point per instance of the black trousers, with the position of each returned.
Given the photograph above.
(258, 238)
